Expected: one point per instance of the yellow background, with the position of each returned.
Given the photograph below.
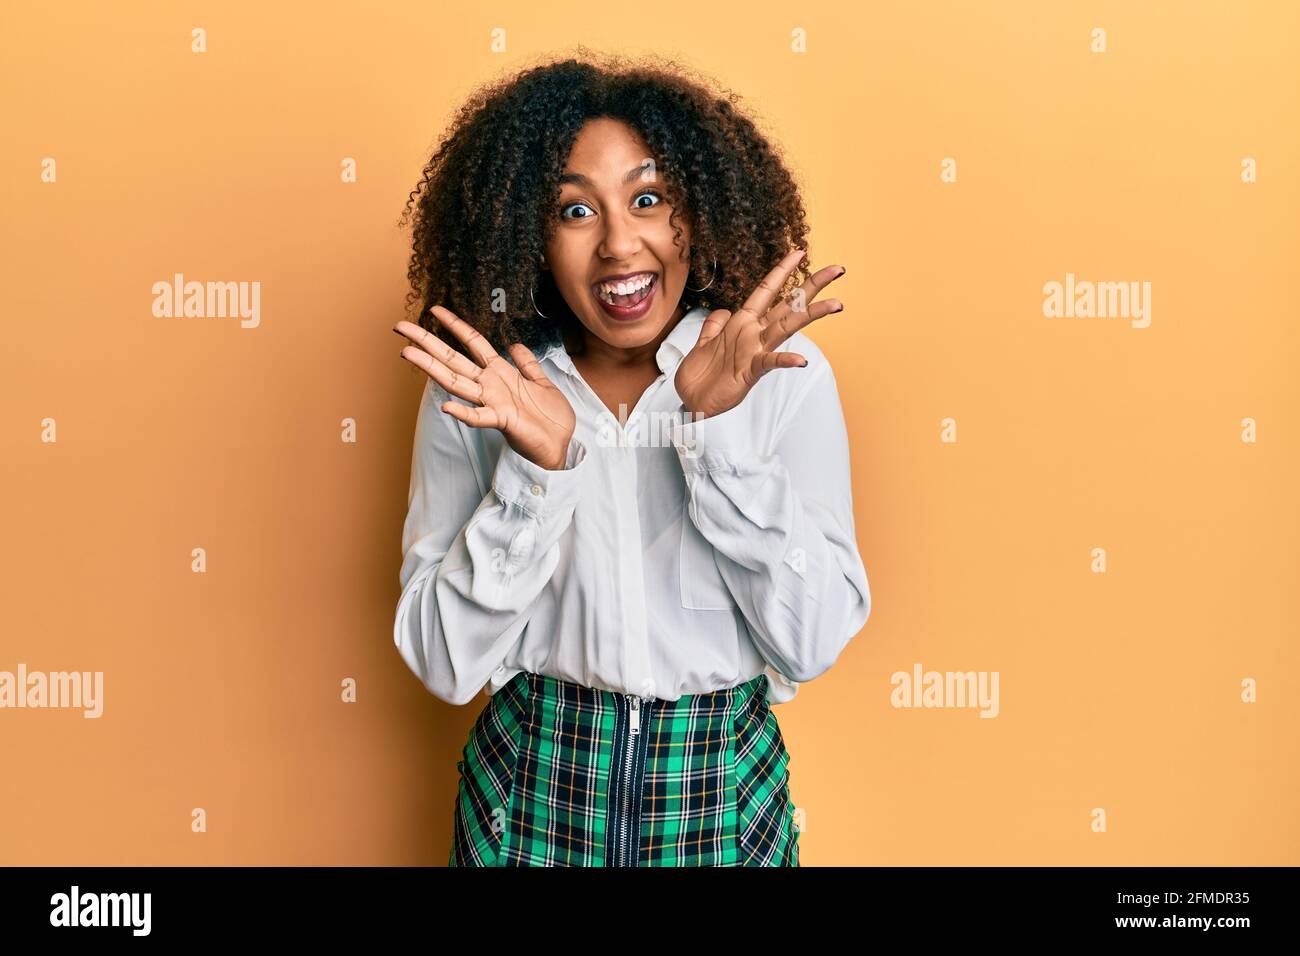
(1119, 691)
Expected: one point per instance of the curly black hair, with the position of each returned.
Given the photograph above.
(489, 196)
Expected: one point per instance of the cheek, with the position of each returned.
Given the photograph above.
(679, 268)
(566, 264)
(671, 254)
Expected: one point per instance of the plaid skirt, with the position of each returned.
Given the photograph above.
(559, 774)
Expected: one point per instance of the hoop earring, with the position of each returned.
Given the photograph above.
(534, 298)
(711, 278)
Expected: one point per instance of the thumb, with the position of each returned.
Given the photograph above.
(527, 364)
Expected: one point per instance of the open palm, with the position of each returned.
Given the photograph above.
(735, 350)
(535, 417)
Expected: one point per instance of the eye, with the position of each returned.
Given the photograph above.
(575, 205)
(647, 195)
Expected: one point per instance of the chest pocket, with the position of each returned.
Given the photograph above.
(701, 582)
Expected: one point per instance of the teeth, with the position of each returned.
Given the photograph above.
(626, 286)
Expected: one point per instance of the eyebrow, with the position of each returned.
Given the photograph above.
(631, 175)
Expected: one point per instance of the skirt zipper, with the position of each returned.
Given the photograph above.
(621, 855)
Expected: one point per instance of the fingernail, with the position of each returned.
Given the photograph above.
(839, 307)
(841, 272)
(803, 364)
(395, 332)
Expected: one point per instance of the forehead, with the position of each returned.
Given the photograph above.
(606, 148)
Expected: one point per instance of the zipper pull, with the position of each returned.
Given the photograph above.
(634, 703)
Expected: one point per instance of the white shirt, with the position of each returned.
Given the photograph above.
(667, 557)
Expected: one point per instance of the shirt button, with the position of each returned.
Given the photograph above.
(536, 489)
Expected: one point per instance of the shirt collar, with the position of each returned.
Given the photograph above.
(671, 350)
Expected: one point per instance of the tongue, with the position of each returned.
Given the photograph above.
(632, 298)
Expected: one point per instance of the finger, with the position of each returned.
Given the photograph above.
(747, 345)
(803, 295)
(474, 416)
(437, 348)
(770, 360)
(714, 324)
(530, 370)
(455, 383)
(760, 300)
(527, 364)
(779, 331)
(478, 346)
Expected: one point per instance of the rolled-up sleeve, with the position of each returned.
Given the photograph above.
(781, 522)
(474, 563)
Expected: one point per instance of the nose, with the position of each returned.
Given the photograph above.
(622, 239)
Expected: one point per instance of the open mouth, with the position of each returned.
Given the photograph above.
(624, 297)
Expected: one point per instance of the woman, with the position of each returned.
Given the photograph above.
(630, 518)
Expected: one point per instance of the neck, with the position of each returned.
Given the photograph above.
(599, 354)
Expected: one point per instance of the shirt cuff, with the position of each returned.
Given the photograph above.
(716, 443)
(780, 689)
(539, 491)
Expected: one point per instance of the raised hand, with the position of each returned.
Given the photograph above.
(535, 417)
(736, 349)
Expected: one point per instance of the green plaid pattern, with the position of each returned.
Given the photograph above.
(552, 775)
